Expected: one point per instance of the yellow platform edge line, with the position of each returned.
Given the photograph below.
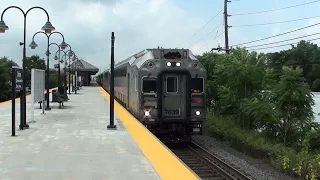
(18, 99)
(165, 163)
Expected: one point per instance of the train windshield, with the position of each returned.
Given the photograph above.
(172, 84)
(196, 85)
(149, 85)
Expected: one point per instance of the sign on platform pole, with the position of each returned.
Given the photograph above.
(16, 86)
(37, 89)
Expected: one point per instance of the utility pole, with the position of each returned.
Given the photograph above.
(226, 35)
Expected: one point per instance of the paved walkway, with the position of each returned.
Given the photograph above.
(70, 143)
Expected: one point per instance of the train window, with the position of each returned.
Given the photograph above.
(196, 85)
(172, 84)
(149, 85)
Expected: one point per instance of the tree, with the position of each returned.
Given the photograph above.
(239, 79)
(293, 101)
(33, 62)
(53, 78)
(304, 54)
(5, 78)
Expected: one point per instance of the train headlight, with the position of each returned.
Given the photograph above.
(168, 63)
(178, 64)
(147, 113)
(198, 113)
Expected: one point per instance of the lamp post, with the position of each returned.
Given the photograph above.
(60, 60)
(55, 58)
(70, 54)
(47, 28)
(75, 60)
(33, 45)
(65, 73)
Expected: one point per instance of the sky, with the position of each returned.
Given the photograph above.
(140, 24)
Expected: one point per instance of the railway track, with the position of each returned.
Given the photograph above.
(206, 165)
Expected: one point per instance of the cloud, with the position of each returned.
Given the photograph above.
(87, 27)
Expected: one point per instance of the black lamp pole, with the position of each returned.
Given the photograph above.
(33, 45)
(48, 28)
(112, 125)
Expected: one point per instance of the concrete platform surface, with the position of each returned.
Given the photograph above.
(71, 143)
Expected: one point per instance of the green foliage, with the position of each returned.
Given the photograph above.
(262, 105)
(33, 62)
(53, 78)
(5, 78)
(299, 164)
(30, 63)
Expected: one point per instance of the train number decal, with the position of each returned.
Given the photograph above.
(171, 111)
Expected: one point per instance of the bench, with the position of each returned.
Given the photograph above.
(56, 97)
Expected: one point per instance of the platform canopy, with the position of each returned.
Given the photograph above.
(84, 67)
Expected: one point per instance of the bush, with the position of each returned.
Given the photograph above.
(299, 164)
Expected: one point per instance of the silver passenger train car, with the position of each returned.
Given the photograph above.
(165, 89)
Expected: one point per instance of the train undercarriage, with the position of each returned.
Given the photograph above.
(170, 132)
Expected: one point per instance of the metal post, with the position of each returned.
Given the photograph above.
(112, 125)
(59, 76)
(48, 71)
(69, 75)
(23, 102)
(23, 91)
(65, 74)
(226, 26)
(13, 99)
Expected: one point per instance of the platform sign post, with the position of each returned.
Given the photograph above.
(16, 86)
(112, 125)
(37, 89)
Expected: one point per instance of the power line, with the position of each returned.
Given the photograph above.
(200, 28)
(270, 10)
(282, 45)
(283, 40)
(288, 32)
(206, 34)
(212, 40)
(278, 22)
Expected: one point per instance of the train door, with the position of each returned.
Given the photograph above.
(174, 95)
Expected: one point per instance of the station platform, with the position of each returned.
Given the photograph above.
(74, 143)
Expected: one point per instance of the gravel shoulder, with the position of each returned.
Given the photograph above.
(258, 169)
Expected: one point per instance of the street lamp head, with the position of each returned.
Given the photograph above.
(48, 28)
(56, 57)
(3, 27)
(70, 54)
(33, 45)
(63, 45)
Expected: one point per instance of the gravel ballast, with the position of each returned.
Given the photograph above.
(256, 168)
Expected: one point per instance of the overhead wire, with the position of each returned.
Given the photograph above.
(277, 22)
(282, 45)
(271, 10)
(206, 34)
(218, 35)
(200, 28)
(283, 40)
(288, 32)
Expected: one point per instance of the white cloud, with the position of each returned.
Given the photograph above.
(87, 27)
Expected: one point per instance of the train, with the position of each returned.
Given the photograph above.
(165, 89)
